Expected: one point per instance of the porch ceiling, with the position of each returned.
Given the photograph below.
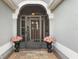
(19, 1)
(13, 4)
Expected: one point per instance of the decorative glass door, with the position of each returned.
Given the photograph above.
(34, 29)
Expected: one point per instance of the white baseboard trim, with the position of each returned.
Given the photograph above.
(66, 51)
(5, 48)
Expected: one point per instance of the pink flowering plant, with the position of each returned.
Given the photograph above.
(17, 38)
(50, 39)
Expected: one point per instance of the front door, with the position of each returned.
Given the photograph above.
(34, 31)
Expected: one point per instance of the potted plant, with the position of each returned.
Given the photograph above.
(49, 40)
(16, 40)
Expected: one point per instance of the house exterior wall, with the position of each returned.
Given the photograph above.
(5, 23)
(64, 24)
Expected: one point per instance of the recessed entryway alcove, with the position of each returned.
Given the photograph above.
(33, 25)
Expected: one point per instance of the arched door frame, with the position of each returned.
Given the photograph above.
(16, 13)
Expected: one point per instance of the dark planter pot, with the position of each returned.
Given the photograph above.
(49, 47)
(17, 44)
